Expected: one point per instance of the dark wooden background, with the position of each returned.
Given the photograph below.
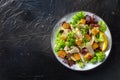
(25, 30)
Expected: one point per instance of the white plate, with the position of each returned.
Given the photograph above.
(88, 66)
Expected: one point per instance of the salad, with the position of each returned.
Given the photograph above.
(81, 41)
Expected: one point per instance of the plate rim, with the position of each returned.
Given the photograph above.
(53, 35)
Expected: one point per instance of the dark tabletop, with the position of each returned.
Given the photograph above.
(25, 31)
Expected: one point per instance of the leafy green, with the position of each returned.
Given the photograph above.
(84, 41)
(99, 37)
(81, 64)
(103, 26)
(84, 29)
(100, 56)
(74, 22)
(70, 42)
(70, 39)
(71, 35)
(80, 15)
(58, 34)
(74, 26)
(60, 44)
(93, 60)
(87, 27)
(77, 17)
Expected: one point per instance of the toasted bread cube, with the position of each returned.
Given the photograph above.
(66, 25)
(63, 37)
(82, 21)
(94, 31)
(88, 56)
(61, 53)
(78, 42)
(76, 56)
(95, 45)
(88, 37)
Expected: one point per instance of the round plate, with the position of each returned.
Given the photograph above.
(88, 66)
